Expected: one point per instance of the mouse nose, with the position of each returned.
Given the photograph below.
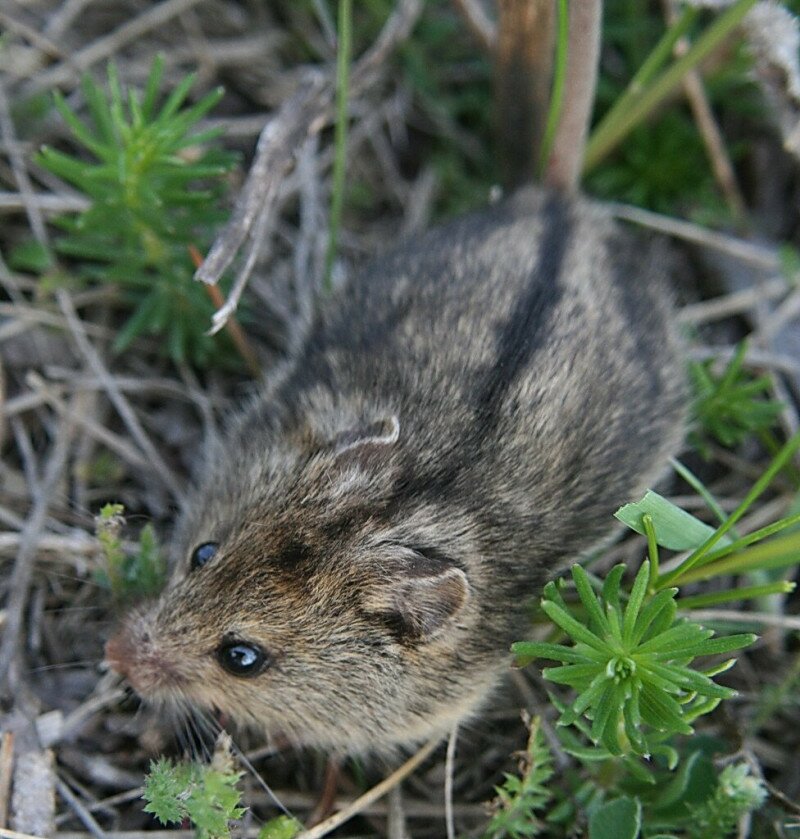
(118, 653)
(132, 653)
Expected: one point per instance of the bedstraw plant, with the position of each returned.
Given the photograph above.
(627, 656)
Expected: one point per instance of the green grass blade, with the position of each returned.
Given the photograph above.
(783, 552)
(700, 488)
(674, 528)
(559, 77)
(699, 601)
(778, 462)
(610, 132)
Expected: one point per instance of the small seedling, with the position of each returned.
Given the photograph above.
(737, 793)
(155, 189)
(629, 661)
(281, 827)
(205, 795)
(130, 576)
(521, 796)
(732, 406)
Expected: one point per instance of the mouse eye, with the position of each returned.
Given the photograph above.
(202, 553)
(241, 659)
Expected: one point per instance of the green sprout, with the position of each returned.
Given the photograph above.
(730, 407)
(130, 576)
(521, 795)
(629, 664)
(206, 795)
(154, 192)
(737, 793)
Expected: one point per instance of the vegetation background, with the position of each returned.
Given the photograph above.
(110, 384)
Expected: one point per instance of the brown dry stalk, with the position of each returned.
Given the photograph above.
(6, 757)
(232, 325)
(718, 156)
(523, 78)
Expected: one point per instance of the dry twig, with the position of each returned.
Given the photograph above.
(304, 113)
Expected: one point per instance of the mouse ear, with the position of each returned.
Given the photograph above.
(382, 432)
(418, 603)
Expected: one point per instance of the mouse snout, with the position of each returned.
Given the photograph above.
(132, 653)
(118, 653)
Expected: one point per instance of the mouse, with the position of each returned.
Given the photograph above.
(368, 537)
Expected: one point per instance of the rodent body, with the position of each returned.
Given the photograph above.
(464, 418)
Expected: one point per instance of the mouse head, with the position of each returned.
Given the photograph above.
(305, 602)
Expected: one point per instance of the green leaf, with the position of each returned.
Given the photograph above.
(80, 130)
(664, 600)
(617, 819)
(675, 528)
(712, 646)
(662, 712)
(574, 629)
(676, 638)
(635, 603)
(576, 675)
(527, 651)
(689, 680)
(589, 599)
(611, 585)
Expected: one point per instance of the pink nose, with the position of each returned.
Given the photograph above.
(147, 669)
(118, 653)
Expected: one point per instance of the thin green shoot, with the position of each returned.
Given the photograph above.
(757, 489)
(700, 488)
(559, 77)
(611, 131)
(652, 545)
(702, 601)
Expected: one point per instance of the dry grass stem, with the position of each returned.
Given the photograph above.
(482, 26)
(378, 791)
(718, 156)
(564, 167)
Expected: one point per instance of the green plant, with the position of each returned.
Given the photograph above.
(129, 576)
(737, 793)
(521, 796)
(281, 827)
(652, 84)
(730, 406)
(154, 190)
(629, 664)
(205, 795)
(628, 661)
(639, 57)
(698, 804)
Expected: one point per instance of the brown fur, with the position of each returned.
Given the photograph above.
(465, 418)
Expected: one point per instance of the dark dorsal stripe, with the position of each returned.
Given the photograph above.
(526, 330)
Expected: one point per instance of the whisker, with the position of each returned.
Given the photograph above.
(66, 665)
(242, 757)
